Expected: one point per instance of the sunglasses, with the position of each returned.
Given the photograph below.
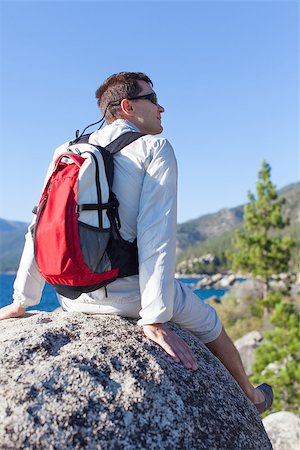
(152, 97)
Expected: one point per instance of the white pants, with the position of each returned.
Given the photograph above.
(190, 312)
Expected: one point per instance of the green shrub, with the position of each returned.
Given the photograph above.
(239, 318)
(277, 359)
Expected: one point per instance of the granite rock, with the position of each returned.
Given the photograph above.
(246, 347)
(250, 289)
(283, 429)
(75, 381)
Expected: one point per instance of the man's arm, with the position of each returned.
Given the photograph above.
(156, 236)
(28, 285)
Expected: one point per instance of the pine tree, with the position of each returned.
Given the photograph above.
(262, 250)
(259, 249)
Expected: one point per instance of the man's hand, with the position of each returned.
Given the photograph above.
(11, 311)
(171, 343)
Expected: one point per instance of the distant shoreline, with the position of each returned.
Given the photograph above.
(193, 275)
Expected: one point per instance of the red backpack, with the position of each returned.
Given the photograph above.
(77, 243)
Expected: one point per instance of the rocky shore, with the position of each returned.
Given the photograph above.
(215, 281)
(71, 381)
(228, 280)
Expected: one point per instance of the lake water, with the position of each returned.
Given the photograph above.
(49, 300)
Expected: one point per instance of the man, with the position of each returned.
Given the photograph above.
(145, 184)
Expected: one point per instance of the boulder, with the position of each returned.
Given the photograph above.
(247, 290)
(204, 283)
(74, 381)
(246, 346)
(295, 294)
(227, 281)
(283, 429)
(216, 277)
(278, 285)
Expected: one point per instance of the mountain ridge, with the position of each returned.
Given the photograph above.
(196, 231)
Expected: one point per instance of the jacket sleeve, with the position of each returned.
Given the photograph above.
(29, 283)
(156, 235)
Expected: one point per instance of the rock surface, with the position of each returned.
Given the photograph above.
(246, 346)
(283, 429)
(249, 289)
(216, 281)
(71, 381)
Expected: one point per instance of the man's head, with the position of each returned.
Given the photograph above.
(129, 95)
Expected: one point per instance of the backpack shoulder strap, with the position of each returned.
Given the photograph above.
(123, 140)
(83, 139)
(116, 145)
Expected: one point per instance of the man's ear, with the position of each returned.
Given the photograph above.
(126, 107)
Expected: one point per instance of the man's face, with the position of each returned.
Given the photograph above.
(146, 115)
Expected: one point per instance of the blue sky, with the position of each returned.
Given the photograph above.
(226, 73)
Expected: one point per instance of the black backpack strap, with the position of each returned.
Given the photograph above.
(116, 145)
(83, 139)
(123, 140)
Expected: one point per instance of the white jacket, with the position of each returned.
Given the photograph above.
(145, 183)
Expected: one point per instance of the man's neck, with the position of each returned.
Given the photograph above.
(125, 122)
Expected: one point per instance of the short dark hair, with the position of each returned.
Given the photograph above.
(117, 87)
